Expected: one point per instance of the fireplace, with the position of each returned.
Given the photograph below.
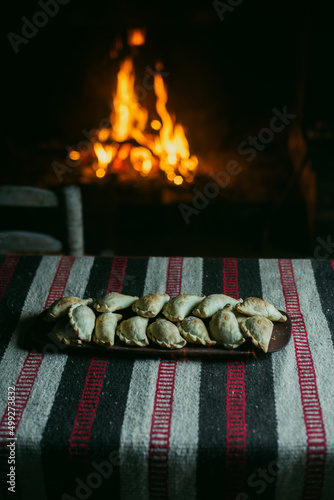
(134, 142)
(187, 127)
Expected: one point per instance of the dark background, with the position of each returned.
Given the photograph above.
(225, 77)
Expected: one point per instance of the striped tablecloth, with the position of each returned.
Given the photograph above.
(93, 427)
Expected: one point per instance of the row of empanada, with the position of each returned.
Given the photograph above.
(231, 320)
(150, 305)
(175, 309)
(81, 326)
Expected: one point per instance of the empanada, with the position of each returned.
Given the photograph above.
(60, 307)
(105, 327)
(165, 334)
(150, 305)
(132, 331)
(82, 320)
(179, 307)
(224, 328)
(212, 303)
(254, 306)
(113, 302)
(259, 329)
(194, 331)
(63, 331)
(240, 317)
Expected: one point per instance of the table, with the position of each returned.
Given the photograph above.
(109, 427)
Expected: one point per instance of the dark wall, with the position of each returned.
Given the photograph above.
(251, 60)
(226, 72)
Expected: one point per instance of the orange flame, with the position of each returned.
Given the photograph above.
(167, 148)
(136, 37)
(172, 145)
(142, 160)
(103, 153)
(129, 118)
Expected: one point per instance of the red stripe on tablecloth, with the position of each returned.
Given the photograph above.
(6, 272)
(315, 429)
(117, 274)
(83, 423)
(332, 262)
(163, 403)
(84, 419)
(236, 431)
(29, 371)
(230, 273)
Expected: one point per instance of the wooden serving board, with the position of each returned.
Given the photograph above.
(39, 337)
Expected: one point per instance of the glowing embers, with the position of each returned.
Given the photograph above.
(142, 160)
(137, 145)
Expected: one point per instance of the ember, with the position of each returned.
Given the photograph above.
(133, 145)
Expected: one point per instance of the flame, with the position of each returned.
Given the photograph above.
(142, 160)
(136, 37)
(155, 124)
(103, 134)
(104, 154)
(74, 155)
(172, 145)
(129, 118)
(100, 172)
(165, 147)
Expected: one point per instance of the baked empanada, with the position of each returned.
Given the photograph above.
(60, 307)
(224, 328)
(150, 305)
(82, 320)
(132, 331)
(179, 307)
(212, 303)
(240, 317)
(63, 331)
(165, 334)
(259, 329)
(254, 306)
(113, 302)
(105, 327)
(194, 331)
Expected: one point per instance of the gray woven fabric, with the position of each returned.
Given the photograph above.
(286, 398)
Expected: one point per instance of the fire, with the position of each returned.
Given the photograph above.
(104, 154)
(155, 124)
(172, 146)
(137, 143)
(142, 160)
(128, 118)
(136, 37)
